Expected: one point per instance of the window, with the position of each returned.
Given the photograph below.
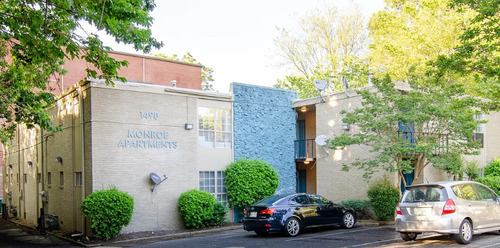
(465, 191)
(485, 194)
(478, 134)
(213, 183)
(214, 127)
(49, 178)
(78, 179)
(61, 178)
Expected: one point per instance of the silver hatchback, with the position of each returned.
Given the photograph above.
(460, 208)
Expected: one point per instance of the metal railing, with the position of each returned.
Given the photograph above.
(305, 149)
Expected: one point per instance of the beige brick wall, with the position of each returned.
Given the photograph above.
(332, 182)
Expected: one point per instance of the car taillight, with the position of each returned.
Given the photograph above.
(398, 210)
(449, 207)
(268, 211)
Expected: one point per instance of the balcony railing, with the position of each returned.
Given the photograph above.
(442, 139)
(305, 149)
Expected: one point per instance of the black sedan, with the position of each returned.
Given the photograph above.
(293, 212)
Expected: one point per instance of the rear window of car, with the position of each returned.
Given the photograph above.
(268, 201)
(432, 193)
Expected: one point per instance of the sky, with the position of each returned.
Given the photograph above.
(234, 38)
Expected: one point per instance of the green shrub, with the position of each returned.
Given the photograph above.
(493, 169)
(383, 197)
(199, 209)
(248, 181)
(362, 207)
(109, 211)
(491, 181)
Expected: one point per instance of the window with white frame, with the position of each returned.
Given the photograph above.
(214, 127)
(213, 183)
(478, 133)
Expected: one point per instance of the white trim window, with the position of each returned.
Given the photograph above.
(214, 127)
(478, 133)
(213, 182)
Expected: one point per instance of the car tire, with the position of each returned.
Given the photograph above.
(348, 220)
(465, 233)
(409, 236)
(292, 227)
(261, 233)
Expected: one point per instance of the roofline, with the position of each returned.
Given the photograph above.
(155, 58)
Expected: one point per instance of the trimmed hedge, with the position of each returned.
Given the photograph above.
(362, 207)
(493, 169)
(199, 209)
(249, 180)
(109, 211)
(384, 198)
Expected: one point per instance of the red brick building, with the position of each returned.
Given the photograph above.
(145, 69)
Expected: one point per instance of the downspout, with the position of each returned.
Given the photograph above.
(82, 137)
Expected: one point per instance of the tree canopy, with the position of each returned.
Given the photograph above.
(329, 44)
(408, 129)
(407, 35)
(478, 54)
(36, 37)
(206, 72)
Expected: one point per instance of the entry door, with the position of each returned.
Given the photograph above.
(301, 181)
(301, 139)
(409, 180)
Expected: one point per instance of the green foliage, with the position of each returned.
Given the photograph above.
(199, 209)
(451, 163)
(383, 197)
(477, 55)
(471, 170)
(491, 181)
(362, 207)
(249, 180)
(206, 72)
(109, 211)
(38, 36)
(329, 43)
(493, 169)
(409, 34)
(404, 129)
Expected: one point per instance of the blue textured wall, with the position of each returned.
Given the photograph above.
(264, 128)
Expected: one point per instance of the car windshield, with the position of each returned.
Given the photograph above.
(268, 201)
(432, 193)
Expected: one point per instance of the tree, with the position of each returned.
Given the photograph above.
(36, 37)
(206, 72)
(330, 44)
(407, 35)
(478, 53)
(249, 180)
(405, 130)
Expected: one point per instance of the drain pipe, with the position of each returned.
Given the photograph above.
(82, 137)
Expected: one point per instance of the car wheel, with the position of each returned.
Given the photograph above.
(261, 233)
(409, 236)
(464, 235)
(292, 227)
(348, 220)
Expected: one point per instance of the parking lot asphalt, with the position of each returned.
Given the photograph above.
(15, 234)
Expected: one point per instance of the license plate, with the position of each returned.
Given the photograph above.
(253, 214)
(421, 211)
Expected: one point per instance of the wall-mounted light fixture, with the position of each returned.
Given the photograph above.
(30, 163)
(59, 159)
(188, 126)
(346, 126)
(174, 83)
(303, 109)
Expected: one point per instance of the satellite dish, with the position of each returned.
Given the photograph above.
(155, 178)
(321, 140)
(320, 84)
